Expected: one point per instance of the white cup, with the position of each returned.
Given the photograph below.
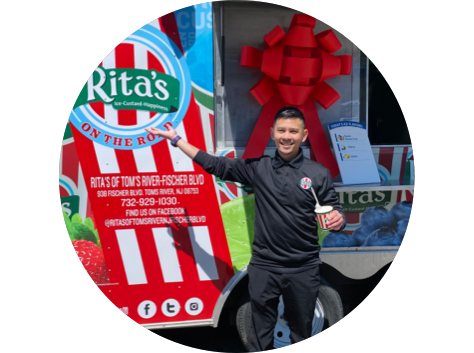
(322, 215)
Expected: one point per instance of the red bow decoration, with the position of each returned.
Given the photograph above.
(296, 65)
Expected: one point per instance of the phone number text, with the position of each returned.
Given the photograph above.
(149, 201)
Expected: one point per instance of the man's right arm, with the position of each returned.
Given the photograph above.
(241, 171)
(188, 149)
(225, 168)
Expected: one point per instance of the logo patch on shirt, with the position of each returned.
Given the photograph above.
(305, 183)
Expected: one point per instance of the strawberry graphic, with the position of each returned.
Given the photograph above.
(92, 259)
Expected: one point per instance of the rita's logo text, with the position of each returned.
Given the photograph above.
(132, 89)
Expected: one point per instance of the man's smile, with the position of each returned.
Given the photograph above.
(288, 134)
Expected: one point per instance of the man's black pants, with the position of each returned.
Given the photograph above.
(299, 291)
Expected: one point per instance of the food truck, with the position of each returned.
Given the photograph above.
(169, 244)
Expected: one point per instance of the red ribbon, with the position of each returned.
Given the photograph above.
(296, 66)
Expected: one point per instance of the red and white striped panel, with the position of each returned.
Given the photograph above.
(170, 244)
(391, 161)
(169, 262)
(127, 55)
(164, 260)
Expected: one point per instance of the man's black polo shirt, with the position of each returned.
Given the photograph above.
(286, 231)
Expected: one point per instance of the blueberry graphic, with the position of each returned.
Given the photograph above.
(384, 236)
(360, 234)
(375, 218)
(338, 240)
(401, 228)
(401, 210)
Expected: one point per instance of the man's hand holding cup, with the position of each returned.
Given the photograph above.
(335, 220)
(328, 218)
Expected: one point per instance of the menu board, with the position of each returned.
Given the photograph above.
(353, 153)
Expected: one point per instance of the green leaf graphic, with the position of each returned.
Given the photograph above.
(82, 232)
(89, 224)
(96, 233)
(76, 218)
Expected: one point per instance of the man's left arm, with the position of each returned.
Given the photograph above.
(327, 196)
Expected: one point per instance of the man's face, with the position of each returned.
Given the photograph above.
(288, 133)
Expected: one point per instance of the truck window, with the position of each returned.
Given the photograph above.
(386, 123)
(365, 95)
(236, 110)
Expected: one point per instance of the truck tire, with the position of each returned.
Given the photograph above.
(328, 311)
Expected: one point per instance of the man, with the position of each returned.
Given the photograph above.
(285, 252)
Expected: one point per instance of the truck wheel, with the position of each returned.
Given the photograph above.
(328, 311)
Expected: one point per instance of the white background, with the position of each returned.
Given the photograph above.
(49, 49)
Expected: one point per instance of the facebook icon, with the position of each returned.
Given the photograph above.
(147, 309)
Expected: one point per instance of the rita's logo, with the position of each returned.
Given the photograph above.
(305, 183)
(131, 89)
(143, 82)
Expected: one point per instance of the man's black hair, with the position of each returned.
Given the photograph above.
(289, 112)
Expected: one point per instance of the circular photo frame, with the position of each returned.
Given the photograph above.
(169, 232)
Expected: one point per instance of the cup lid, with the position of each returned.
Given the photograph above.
(323, 209)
